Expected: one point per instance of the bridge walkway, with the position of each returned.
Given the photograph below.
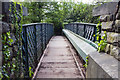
(59, 60)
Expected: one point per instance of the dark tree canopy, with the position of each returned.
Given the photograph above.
(59, 13)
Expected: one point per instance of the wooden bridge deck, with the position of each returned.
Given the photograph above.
(59, 60)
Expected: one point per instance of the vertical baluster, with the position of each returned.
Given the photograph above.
(77, 29)
(84, 30)
(94, 33)
(100, 32)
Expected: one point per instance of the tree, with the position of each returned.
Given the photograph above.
(35, 12)
(59, 13)
(82, 13)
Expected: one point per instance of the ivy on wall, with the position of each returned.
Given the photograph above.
(103, 41)
(12, 65)
(100, 42)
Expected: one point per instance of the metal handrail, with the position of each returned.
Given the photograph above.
(35, 38)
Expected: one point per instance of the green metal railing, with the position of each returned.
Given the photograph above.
(81, 45)
(86, 30)
(35, 38)
(82, 36)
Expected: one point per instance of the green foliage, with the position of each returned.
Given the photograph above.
(35, 12)
(1, 76)
(1, 17)
(82, 13)
(103, 42)
(69, 12)
(30, 72)
(86, 64)
(11, 65)
(59, 13)
(6, 40)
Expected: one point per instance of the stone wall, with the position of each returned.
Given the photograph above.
(107, 64)
(111, 24)
(15, 50)
(110, 17)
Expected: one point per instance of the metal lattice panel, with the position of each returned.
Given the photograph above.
(89, 30)
(39, 41)
(75, 28)
(83, 29)
(35, 37)
(31, 45)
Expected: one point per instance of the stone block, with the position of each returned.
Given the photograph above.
(119, 38)
(103, 18)
(117, 26)
(113, 37)
(108, 18)
(117, 23)
(115, 51)
(107, 49)
(107, 25)
(112, 17)
(5, 27)
(105, 9)
(102, 33)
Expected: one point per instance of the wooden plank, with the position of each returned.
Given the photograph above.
(36, 70)
(58, 61)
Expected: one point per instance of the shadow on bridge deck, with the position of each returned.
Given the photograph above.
(59, 60)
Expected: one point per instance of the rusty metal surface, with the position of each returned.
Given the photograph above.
(58, 61)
